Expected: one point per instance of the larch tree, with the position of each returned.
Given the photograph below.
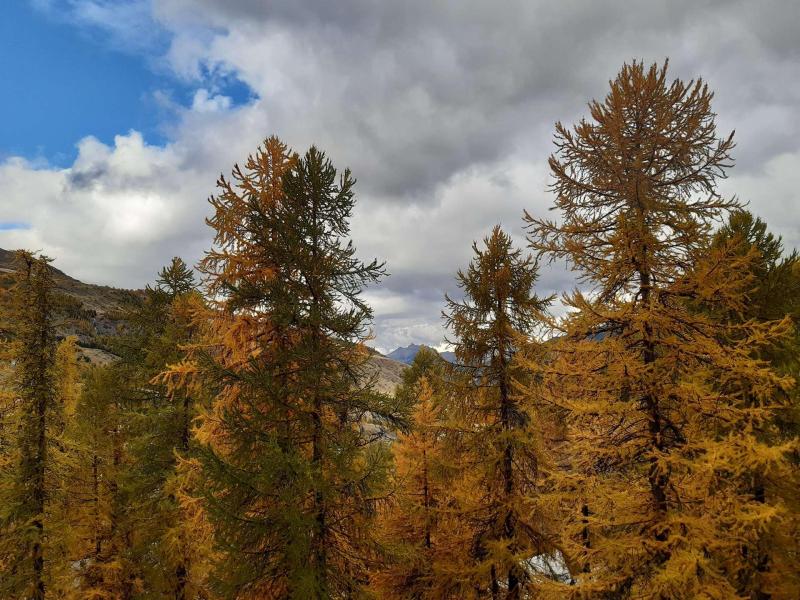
(408, 525)
(427, 363)
(171, 544)
(67, 375)
(129, 436)
(665, 405)
(30, 480)
(100, 549)
(185, 544)
(420, 535)
(768, 559)
(67, 378)
(501, 460)
(290, 478)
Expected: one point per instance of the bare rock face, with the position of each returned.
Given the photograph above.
(85, 310)
(387, 372)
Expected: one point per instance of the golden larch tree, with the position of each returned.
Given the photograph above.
(768, 571)
(665, 404)
(99, 517)
(409, 526)
(290, 479)
(498, 443)
(30, 480)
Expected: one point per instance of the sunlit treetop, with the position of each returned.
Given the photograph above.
(636, 184)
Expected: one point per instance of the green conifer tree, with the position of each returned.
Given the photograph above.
(166, 545)
(290, 477)
(501, 460)
(28, 482)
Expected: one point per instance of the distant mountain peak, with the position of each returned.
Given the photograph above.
(406, 354)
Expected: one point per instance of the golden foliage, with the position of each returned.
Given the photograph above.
(666, 402)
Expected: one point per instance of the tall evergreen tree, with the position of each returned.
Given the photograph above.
(67, 377)
(102, 528)
(420, 537)
(766, 569)
(427, 363)
(290, 478)
(27, 485)
(410, 526)
(499, 312)
(169, 545)
(176, 279)
(664, 405)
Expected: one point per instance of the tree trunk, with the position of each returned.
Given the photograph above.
(506, 408)
(319, 550)
(587, 544)
(37, 551)
(180, 585)
(426, 500)
(182, 568)
(657, 480)
(495, 584)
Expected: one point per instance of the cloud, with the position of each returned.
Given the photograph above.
(113, 216)
(204, 102)
(773, 192)
(126, 25)
(444, 112)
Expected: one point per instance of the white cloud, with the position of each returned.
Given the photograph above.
(112, 217)
(773, 193)
(204, 102)
(126, 25)
(445, 116)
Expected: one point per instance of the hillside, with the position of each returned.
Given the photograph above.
(91, 312)
(406, 354)
(389, 372)
(101, 299)
(87, 311)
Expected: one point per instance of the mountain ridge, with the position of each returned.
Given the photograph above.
(93, 311)
(406, 354)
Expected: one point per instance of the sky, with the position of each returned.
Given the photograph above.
(119, 116)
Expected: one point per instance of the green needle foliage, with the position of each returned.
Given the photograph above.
(290, 476)
(30, 479)
(498, 444)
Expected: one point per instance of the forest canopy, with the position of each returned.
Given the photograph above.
(642, 443)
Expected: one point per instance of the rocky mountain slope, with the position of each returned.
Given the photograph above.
(91, 312)
(87, 311)
(389, 372)
(406, 354)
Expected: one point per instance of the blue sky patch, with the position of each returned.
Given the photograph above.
(63, 81)
(13, 225)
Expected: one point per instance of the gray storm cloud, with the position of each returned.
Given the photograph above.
(444, 111)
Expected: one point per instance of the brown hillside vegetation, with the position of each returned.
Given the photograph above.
(93, 312)
(87, 311)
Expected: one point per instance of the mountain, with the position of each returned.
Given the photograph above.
(91, 312)
(388, 372)
(406, 354)
(448, 356)
(87, 311)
